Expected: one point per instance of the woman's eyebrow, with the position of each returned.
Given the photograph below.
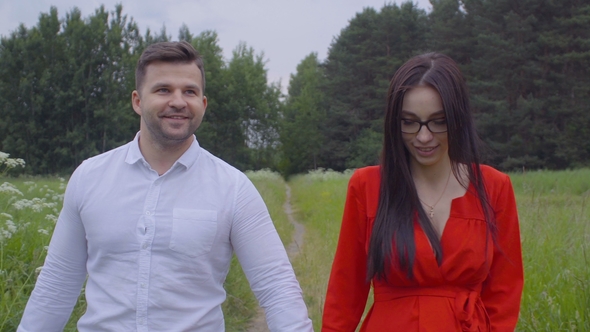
(437, 113)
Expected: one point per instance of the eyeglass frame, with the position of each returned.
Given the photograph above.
(423, 123)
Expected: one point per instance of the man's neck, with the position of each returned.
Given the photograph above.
(160, 157)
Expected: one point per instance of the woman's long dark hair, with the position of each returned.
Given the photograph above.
(398, 199)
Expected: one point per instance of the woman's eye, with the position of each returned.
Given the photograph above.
(440, 122)
(407, 122)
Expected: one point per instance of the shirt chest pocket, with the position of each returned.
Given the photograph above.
(193, 231)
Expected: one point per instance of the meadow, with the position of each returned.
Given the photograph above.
(554, 217)
(555, 232)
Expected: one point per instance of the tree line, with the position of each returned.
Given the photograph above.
(65, 87)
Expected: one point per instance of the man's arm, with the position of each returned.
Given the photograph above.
(64, 271)
(266, 264)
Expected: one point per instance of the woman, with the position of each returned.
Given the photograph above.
(435, 232)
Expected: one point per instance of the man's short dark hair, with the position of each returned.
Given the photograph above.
(181, 52)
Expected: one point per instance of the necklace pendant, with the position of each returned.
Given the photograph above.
(431, 213)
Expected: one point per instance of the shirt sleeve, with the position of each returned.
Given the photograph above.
(266, 264)
(348, 288)
(64, 271)
(501, 293)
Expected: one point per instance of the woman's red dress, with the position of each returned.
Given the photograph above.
(474, 289)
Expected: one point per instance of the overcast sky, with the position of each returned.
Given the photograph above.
(285, 30)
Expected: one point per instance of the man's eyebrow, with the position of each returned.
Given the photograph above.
(191, 86)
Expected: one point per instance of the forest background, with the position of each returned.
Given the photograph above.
(65, 87)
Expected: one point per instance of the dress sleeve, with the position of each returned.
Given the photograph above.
(64, 271)
(266, 264)
(501, 293)
(347, 287)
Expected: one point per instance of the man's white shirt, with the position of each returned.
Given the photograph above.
(155, 250)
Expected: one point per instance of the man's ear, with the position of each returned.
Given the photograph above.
(136, 102)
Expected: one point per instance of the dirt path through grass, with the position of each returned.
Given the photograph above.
(259, 322)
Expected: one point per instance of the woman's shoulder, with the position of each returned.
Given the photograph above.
(368, 174)
(495, 180)
(368, 171)
(366, 179)
(491, 174)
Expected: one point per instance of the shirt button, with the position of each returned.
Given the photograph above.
(144, 246)
(142, 285)
(147, 213)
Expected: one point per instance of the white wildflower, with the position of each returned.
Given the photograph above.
(5, 234)
(43, 231)
(21, 204)
(12, 163)
(10, 226)
(263, 174)
(51, 217)
(38, 270)
(9, 188)
(3, 157)
(4, 214)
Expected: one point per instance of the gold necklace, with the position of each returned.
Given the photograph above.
(431, 212)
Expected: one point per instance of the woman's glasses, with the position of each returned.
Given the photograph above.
(435, 126)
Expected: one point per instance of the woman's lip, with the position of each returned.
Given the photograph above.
(425, 148)
(425, 151)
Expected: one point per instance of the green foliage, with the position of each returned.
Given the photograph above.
(65, 87)
(359, 66)
(529, 78)
(303, 118)
(65, 84)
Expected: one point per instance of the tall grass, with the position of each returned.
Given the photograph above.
(555, 228)
(319, 200)
(28, 212)
(241, 305)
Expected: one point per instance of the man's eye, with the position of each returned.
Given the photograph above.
(191, 92)
(162, 90)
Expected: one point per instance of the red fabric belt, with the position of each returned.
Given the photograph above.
(467, 301)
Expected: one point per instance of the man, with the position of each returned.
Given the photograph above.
(153, 224)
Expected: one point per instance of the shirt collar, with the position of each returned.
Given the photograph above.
(187, 159)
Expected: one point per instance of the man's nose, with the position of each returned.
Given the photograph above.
(177, 100)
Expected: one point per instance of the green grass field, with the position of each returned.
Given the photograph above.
(555, 227)
(555, 230)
